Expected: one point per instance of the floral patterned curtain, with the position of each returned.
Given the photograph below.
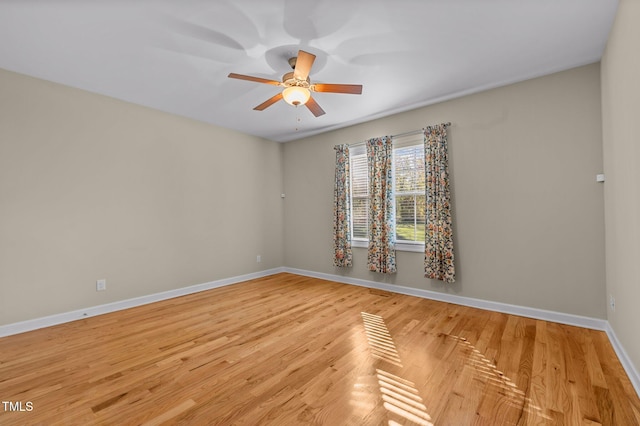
(342, 209)
(382, 233)
(438, 247)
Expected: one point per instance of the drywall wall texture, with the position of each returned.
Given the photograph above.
(92, 188)
(528, 213)
(621, 140)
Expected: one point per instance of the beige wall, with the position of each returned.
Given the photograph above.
(529, 226)
(92, 188)
(621, 140)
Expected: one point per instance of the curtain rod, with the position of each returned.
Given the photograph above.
(413, 132)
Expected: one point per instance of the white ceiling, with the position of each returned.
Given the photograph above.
(175, 56)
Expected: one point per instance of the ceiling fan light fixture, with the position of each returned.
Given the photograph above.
(297, 85)
(296, 95)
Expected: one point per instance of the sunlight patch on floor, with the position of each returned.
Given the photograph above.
(487, 370)
(402, 398)
(380, 341)
(399, 396)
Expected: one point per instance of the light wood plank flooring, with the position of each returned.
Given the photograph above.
(291, 350)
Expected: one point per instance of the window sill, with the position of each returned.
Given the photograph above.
(415, 248)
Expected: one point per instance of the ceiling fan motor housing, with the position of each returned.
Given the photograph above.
(290, 81)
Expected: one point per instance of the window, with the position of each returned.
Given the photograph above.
(409, 193)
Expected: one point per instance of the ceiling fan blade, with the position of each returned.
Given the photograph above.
(354, 89)
(303, 65)
(256, 79)
(269, 102)
(314, 107)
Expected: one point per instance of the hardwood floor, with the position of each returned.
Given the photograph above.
(291, 350)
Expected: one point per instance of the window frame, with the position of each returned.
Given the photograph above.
(360, 149)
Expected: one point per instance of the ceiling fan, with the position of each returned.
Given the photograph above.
(298, 87)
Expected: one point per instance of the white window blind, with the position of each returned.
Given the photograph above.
(359, 194)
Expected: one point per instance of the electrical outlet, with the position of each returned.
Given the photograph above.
(101, 285)
(612, 302)
(258, 258)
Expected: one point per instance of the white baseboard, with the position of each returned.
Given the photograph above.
(559, 317)
(34, 324)
(541, 314)
(628, 366)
